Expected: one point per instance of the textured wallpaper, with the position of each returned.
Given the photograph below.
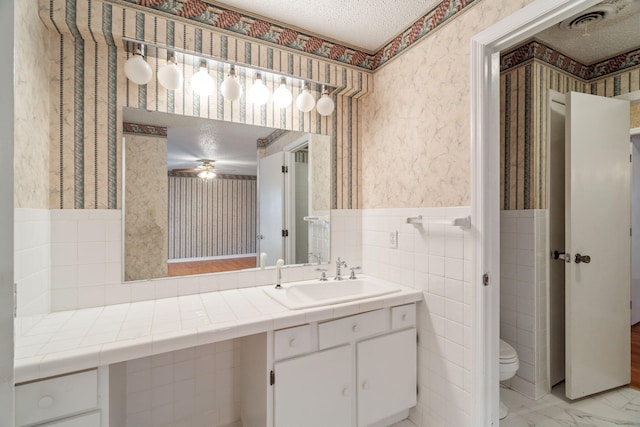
(89, 89)
(416, 127)
(211, 218)
(635, 115)
(523, 125)
(146, 207)
(31, 110)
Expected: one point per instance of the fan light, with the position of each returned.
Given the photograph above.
(259, 93)
(305, 101)
(169, 76)
(230, 88)
(325, 105)
(282, 96)
(206, 170)
(136, 68)
(202, 83)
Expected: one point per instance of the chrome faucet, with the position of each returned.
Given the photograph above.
(279, 265)
(353, 273)
(339, 265)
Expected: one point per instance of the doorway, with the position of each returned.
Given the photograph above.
(485, 57)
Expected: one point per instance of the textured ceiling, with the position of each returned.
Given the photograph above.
(233, 146)
(618, 32)
(363, 24)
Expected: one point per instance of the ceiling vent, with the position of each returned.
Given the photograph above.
(594, 15)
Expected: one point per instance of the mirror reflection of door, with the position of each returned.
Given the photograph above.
(271, 199)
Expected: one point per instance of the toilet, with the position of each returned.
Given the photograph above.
(509, 365)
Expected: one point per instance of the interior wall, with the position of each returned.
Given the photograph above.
(146, 228)
(523, 124)
(90, 87)
(416, 127)
(31, 110)
(7, 22)
(212, 218)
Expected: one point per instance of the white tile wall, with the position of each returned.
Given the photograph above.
(435, 258)
(196, 387)
(523, 290)
(32, 262)
(85, 255)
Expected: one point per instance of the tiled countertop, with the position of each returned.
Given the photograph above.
(68, 341)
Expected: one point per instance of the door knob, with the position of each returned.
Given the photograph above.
(583, 258)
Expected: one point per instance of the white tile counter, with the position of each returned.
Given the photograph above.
(69, 341)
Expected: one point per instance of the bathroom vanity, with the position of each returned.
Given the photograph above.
(330, 365)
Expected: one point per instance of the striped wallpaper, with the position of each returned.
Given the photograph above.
(523, 132)
(89, 90)
(211, 218)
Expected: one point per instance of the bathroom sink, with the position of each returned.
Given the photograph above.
(296, 296)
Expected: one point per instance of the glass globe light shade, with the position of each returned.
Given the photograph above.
(282, 96)
(202, 83)
(169, 76)
(305, 101)
(137, 70)
(206, 175)
(230, 88)
(259, 93)
(325, 105)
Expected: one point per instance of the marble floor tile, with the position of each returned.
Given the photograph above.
(619, 407)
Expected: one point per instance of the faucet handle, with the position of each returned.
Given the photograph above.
(353, 272)
(323, 274)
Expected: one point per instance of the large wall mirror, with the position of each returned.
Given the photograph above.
(207, 196)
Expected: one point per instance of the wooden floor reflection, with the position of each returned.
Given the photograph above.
(210, 266)
(635, 356)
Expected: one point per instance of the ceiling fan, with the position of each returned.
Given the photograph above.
(205, 170)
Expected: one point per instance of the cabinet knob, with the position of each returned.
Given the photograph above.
(292, 342)
(355, 328)
(404, 317)
(345, 391)
(45, 402)
(366, 385)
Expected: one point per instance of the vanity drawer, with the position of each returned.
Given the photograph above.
(403, 316)
(353, 328)
(292, 342)
(91, 419)
(56, 397)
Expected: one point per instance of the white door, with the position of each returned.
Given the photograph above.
(271, 203)
(597, 225)
(386, 376)
(314, 390)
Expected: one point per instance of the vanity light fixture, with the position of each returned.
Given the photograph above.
(169, 76)
(136, 68)
(282, 96)
(202, 83)
(259, 93)
(305, 101)
(325, 105)
(230, 88)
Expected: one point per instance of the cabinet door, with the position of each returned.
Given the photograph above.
(386, 375)
(314, 390)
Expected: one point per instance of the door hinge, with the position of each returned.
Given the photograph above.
(417, 339)
(272, 378)
(285, 169)
(485, 279)
(15, 300)
(285, 233)
(417, 389)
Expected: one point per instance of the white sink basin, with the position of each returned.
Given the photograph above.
(296, 296)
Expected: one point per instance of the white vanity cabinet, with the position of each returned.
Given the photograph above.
(72, 400)
(359, 370)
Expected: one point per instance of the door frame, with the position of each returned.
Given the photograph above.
(485, 197)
